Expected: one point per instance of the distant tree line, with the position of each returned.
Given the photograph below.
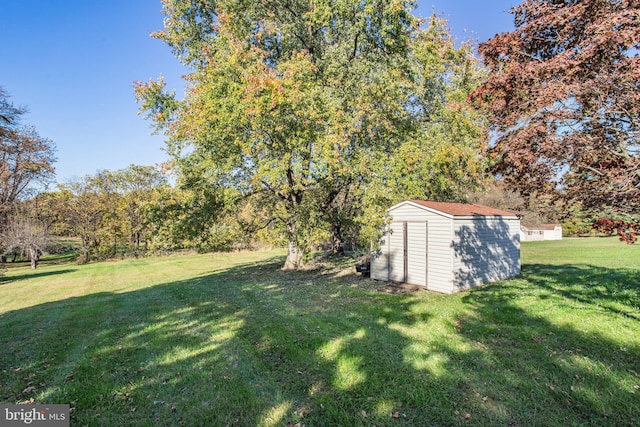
(136, 211)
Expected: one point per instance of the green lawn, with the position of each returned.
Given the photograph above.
(229, 339)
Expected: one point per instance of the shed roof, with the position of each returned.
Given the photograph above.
(462, 209)
(547, 227)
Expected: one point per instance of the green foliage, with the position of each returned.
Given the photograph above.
(193, 217)
(318, 111)
(108, 211)
(578, 226)
(440, 155)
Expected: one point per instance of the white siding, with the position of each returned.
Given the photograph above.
(417, 253)
(396, 252)
(531, 235)
(380, 260)
(485, 250)
(536, 234)
(555, 234)
(447, 253)
(440, 256)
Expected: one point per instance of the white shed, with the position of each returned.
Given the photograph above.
(447, 247)
(532, 233)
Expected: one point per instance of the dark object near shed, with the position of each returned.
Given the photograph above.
(364, 267)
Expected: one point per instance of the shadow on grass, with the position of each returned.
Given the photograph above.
(252, 345)
(616, 291)
(32, 275)
(559, 368)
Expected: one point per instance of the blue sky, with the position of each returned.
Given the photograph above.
(73, 62)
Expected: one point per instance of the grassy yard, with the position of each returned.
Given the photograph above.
(229, 339)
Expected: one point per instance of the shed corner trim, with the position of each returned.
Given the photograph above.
(422, 207)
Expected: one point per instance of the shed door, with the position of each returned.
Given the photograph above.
(416, 253)
(397, 252)
(408, 253)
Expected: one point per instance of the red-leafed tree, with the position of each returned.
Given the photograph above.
(564, 102)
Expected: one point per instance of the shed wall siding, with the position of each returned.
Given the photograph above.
(417, 253)
(485, 250)
(439, 256)
(396, 252)
(380, 260)
(459, 252)
(555, 234)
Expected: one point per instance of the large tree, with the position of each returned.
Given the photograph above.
(84, 203)
(137, 186)
(440, 156)
(296, 104)
(26, 158)
(564, 102)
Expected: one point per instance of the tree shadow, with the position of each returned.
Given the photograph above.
(586, 376)
(485, 252)
(33, 275)
(613, 290)
(252, 345)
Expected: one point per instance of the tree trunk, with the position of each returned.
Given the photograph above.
(34, 257)
(294, 256)
(85, 249)
(338, 242)
(137, 239)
